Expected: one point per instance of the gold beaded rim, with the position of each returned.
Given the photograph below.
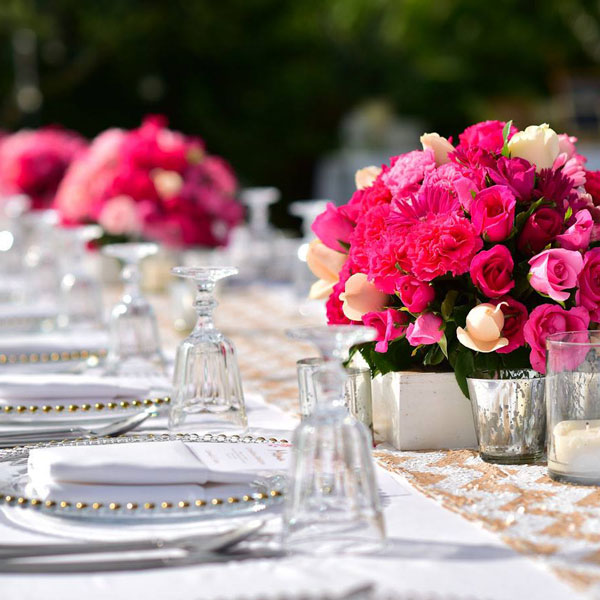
(184, 506)
(52, 357)
(85, 407)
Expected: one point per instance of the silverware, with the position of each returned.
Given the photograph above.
(113, 429)
(193, 544)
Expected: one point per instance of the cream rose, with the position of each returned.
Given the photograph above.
(484, 328)
(440, 146)
(360, 297)
(366, 176)
(539, 144)
(167, 183)
(325, 264)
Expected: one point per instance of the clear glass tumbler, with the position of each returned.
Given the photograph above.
(134, 340)
(332, 500)
(573, 405)
(207, 383)
(80, 292)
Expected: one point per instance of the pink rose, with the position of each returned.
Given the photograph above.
(515, 317)
(588, 294)
(491, 271)
(578, 235)
(547, 319)
(554, 271)
(119, 216)
(515, 173)
(333, 227)
(540, 229)
(414, 294)
(390, 324)
(464, 188)
(493, 212)
(486, 135)
(427, 329)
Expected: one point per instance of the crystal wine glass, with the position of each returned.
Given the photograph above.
(207, 383)
(80, 292)
(134, 341)
(332, 502)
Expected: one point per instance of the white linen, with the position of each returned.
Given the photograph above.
(62, 386)
(59, 341)
(154, 463)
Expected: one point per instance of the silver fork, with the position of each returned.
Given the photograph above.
(45, 435)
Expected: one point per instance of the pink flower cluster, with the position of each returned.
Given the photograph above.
(33, 162)
(506, 218)
(153, 183)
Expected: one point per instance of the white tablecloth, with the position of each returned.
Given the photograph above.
(433, 553)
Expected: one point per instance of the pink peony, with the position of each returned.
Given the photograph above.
(554, 271)
(515, 317)
(426, 330)
(515, 173)
(541, 228)
(547, 319)
(493, 212)
(443, 244)
(407, 171)
(119, 216)
(414, 294)
(577, 236)
(492, 271)
(390, 324)
(33, 162)
(333, 228)
(486, 135)
(588, 294)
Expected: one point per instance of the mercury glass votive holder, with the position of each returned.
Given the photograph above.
(573, 403)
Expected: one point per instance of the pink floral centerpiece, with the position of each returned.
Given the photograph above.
(466, 256)
(33, 162)
(152, 183)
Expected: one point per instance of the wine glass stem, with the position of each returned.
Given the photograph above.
(131, 276)
(205, 305)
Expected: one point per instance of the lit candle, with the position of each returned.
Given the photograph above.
(575, 448)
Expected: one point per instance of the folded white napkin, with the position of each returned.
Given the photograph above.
(62, 386)
(67, 341)
(155, 463)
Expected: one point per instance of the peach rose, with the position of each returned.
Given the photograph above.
(366, 176)
(360, 297)
(439, 145)
(167, 183)
(484, 328)
(325, 264)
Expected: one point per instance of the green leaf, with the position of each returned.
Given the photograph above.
(568, 214)
(505, 134)
(464, 366)
(443, 345)
(448, 304)
(343, 244)
(434, 356)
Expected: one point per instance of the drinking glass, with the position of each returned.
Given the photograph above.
(573, 405)
(207, 383)
(12, 210)
(134, 340)
(332, 502)
(80, 292)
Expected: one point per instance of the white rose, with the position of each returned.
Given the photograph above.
(539, 144)
(440, 146)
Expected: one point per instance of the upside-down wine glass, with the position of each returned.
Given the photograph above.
(134, 341)
(332, 501)
(207, 383)
(80, 292)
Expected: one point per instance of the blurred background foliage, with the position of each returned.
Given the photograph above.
(266, 83)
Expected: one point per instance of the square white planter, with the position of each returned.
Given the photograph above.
(422, 411)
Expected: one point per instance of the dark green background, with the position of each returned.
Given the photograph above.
(265, 82)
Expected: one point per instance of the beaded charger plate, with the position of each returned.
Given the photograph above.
(261, 494)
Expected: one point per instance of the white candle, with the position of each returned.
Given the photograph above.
(576, 448)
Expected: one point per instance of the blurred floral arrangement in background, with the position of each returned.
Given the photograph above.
(151, 183)
(33, 162)
(466, 257)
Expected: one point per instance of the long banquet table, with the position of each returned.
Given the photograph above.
(458, 528)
